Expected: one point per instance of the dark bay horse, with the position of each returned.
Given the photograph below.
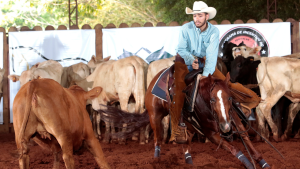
(214, 116)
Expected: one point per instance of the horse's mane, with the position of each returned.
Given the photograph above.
(206, 84)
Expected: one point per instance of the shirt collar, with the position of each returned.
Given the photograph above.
(199, 30)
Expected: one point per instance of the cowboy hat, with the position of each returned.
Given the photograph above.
(201, 7)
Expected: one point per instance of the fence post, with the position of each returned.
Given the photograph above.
(295, 37)
(98, 31)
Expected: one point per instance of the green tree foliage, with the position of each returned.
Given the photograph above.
(174, 10)
(56, 12)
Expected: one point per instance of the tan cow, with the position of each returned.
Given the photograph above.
(48, 69)
(119, 79)
(56, 117)
(74, 73)
(246, 52)
(277, 77)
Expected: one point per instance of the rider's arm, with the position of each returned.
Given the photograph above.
(183, 47)
(211, 54)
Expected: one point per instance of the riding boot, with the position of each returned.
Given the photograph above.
(178, 133)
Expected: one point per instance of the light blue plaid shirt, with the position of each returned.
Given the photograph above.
(194, 42)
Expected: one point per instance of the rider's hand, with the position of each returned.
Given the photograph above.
(195, 64)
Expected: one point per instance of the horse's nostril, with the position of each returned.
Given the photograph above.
(226, 126)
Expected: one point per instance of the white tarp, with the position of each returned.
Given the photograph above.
(1, 66)
(152, 43)
(66, 46)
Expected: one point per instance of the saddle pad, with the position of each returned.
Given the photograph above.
(157, 91)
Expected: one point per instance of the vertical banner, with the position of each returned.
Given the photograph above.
(1, 66)
(68, 47)
(153, 43)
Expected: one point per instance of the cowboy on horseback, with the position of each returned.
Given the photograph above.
(199, 40)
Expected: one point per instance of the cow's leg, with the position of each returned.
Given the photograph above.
(147, 131)
(298, 134)
(266, 107)
(53, 145)
(98, 126)
(293, 111)
(66, 145)
(165, 122)
(107, 132)
(261, 124)
(113, 131)
(94, 147)
(124, 106)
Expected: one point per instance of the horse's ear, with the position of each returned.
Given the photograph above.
(227, 79)
(209, 77)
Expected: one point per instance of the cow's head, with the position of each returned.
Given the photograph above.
(94, 62)
(24, 78)
(246, 52)
(82, 95)
(239, 67)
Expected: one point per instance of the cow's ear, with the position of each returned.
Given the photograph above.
(106, 59)
(257, 49)
(95, 92)
(93, 59)
(227, 79)
(14, 78)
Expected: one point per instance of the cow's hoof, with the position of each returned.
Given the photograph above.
(275, 137)
(146, 141)
(106, 141)
(257, 139)
(99, 137)
(135, 138)
(142, 143)
(114, 141)
(122, 142)
(284, 137)
(297, 136)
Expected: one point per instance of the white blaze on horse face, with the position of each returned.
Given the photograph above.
(219, 94)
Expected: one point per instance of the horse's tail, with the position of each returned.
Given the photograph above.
(134, 121)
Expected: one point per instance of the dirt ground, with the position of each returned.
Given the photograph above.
(133, 155)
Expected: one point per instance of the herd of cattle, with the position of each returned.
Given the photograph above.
(123, 83)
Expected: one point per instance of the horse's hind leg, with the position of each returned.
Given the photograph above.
(155, 121)
(256, 155)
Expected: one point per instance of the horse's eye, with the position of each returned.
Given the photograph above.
(212, 100)
(230, 98)
(239, 65)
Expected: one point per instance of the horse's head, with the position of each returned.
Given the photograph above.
(220, 101)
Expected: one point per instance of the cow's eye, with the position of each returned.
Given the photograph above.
(239, 65)
(245, 49)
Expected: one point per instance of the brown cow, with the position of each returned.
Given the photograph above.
(55, 116)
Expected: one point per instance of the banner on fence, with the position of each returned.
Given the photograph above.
(66, 47)
(152, 43)
(1, 66)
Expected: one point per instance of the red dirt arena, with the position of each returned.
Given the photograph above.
(134, 155)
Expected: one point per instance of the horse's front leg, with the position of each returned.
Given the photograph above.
(187, 148)
(216, 138)
(255, 154)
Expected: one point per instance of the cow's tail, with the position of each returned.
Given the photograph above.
(28, 106)
(262, 68)
(134, 121)
(139, 86)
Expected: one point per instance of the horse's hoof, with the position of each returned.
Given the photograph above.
(134, 138)
(188, 158)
